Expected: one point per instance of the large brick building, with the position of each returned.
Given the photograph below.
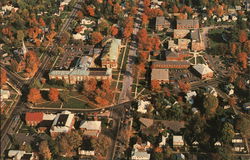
(197, 44)
(171, 64)
(187, 24)
(204, 71)
(161, 23)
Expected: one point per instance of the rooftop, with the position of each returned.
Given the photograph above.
(202, 69)
(160, 74)
(195, 35)
(34, 116)
(91, 125)
(111, 49)
(189, 22)
(160, 20)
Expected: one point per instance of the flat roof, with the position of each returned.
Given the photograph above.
(91, 125)
(62, 120)
(160, 74)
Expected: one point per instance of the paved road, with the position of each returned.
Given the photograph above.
(125, 94)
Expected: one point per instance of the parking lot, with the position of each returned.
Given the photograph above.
(182, 74)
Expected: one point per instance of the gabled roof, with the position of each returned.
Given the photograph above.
(202, 69)
(146, 121)
(91, 125)
(34, 116)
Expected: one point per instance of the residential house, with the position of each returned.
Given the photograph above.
(178, 141)
(4, 94)
(217, 144)
(163, 140)
(33, 118)
(170, 64)
(181, 33)
(189, 96)
(91, 128)
(246, 106)
(142, 106)
(20, 155)
(204, 71)
(63, 123)
(161, 23)
(196, 44)
(229, 89)
(161, 75)
(139, 152)
(111, 53)
(187, 24)
(238, 143)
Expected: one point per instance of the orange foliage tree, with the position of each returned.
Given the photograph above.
(96, 37)
(242, 57)
(219, 10)
(152, 13)
(34, 95)
(233, 47)
(90, 85)
(128, 27)
(184, 86)
(114, 30)
(32, 63)
(41, 22)
(101, 101)
(53, 94)
(141, 68)
(91, 10)
(155, 85)
(106, 84)
(79, 14)
(78, 29)
(242, 36)
(175, 9)
(3, 76)
(144, 18)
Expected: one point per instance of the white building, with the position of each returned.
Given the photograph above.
(204, 71)
(190, 95)
(20, 155)
(142, 106)
(139, 152)
(4, 94)
(163, 140)
(63, 123)
(178, 141)
(91, 128)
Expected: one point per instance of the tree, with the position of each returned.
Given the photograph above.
(128, 26)
(65, 149)
(101, 101)
(232, 101)
(32, 63)
(79, 14)
(243, 125)
(184, 86)
(96, 37)
(227, 132)
(242, 36)
(114, 30)
(175, 9)
(210, 103)
(242, 57)
(233, 47)
(90, 85)
(155, 85)
(34, 95)
(20, 35)
(144, 18)
(3, 76)
(41, 22)
(44, 150)
(53, 94)
(219, 10)
(141, 68)
(91, 10)
(106, 84)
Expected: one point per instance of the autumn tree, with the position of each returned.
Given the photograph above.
(155, 85)
(44, 150)
(128, 26)
(141, 68)
(53, 94)
(101, 101)
(91, 10)
(144, 18)
(3, 76)
(32, 63)
(184, 86)
(106, 85)
(243, 125)
(175, 9)
(90, 85)
(242, 57)
(243, 36)
(34, 95)
(78, 29)
(227, 132)
(41, 22)
(219, 10)
(96, 37)
(114, 30)
(79, 14)
(232, 101)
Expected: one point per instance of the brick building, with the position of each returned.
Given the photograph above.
(181, 33)
(203, 70)
(197, 44)
(170, 64)
(33, 118)
(161, 23)
(187, 24)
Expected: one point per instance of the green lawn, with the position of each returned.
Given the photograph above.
(74, 103)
